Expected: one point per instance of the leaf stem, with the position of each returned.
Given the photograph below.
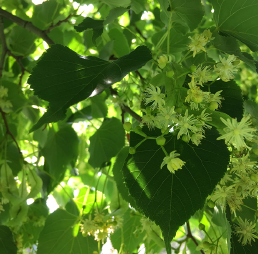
(189, 235)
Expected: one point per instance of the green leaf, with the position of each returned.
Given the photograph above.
(85, 113)
(118, 175)
(177, 41)
(138, 5)
(121, 46)
(171, 199)
(248, 209)
(131, 240)
(14, 159)
(117, 3)
(58, 234)
(98, 106)
(89, 23)
(72, 208)
(71, 78)
(60, 149)
(114, 13)
(238, 19)
(188, 13)
(106, 142)
(106, 51)
(232, 94)
(7, 246)
(45, 14)
(21, 41)
(252, 108)
(230, 46)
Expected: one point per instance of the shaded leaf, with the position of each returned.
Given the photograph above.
(238, 19)
(61, 224)
(121, 46)
(7, 245)
(171, 199)
(64, 78)
(114, 13)
(95, 25)
(106, 142)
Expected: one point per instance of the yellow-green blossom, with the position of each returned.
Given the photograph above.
(3, 92)
(173, 163)
(202, 75)
(246, 231)
(237, 132)
(154, 95)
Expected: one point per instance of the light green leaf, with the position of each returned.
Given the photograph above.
(117, 3)
(114, 13)
(138, 6)
(171, 199)
(121, 46)
(58, 235)
(238, 19)
(71, 78)
(106, 142)
(7, 245)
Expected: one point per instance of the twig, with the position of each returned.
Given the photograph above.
(139, 32)
(27, 25)
(52, 26)
(189, 235)
(8, 130)
(125, 108)
(4, 46)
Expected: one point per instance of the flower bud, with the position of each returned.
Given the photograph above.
(211, 204)
(160, 141)
(127, 126)
(213, 105)
(198, 98)
(201, 226)
(132, 150)
(193, 68)
(185, 138)
(170, 74)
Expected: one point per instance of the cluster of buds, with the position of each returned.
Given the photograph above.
(4, 104)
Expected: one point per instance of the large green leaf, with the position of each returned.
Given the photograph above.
(171, 199)
(106, 142)
(121, 46)
(130, 239)
(64, 78)
(238, 19)
(59, 235)
(7, 246)
(60, 149)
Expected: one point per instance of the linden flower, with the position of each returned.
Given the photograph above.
(199, 41)
(148, 119)
(202, 75)
(237, 132)
(153, 94)
(3, 91)
(246, 231)
(226, 69)
(172, 162)
(5, 104)
(88, 227)
(166, 117)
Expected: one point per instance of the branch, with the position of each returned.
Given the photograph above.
(52, 26)
(27, 25)
(189, 235)
(8, 130)
(4, 46)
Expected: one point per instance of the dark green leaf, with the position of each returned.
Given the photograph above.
(7, 245)
(106, 142)
(83, 114)
(71, 78)
(230, 46)
(171, 199)
(106, 51)
(21, 41)
(252, 108)
(117, 3)
(89, 23)
(60, 149)
(72, 208)
(238, 19)
(14, 159)
(63, 237)
(248, 209)
(138, 5)
(232, 94)
(98, 106)
(114, 13)
(130, 239)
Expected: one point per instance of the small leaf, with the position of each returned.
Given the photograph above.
(121, 46)
(64, 78)
(89, 23)
(58, 235)
(106, 142)
(114, 13)
(238, 19)
(171, 199)
(7, 246)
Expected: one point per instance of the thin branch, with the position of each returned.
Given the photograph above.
(8, 130)
(52, 26)
(27, 25)
(189, 235)
(139, 32)
(4, 46)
